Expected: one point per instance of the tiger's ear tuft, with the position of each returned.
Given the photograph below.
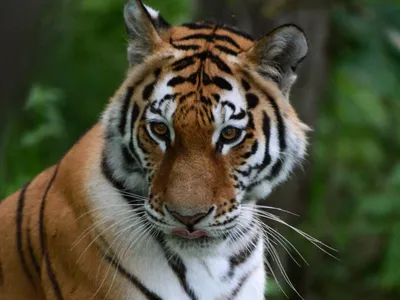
(143, 25)
(278, 54)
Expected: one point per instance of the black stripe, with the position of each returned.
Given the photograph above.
(211, 38)
(130, 163)
(252, 100)
(153, 109)
(254, 147)
(222, 83)
(148, 90)
(226, 50)
(281, 135)
(156, 220)
(32, 254)
(117, 184)
(185, 47)
(242, 256)
(109, 175)
(241, 115)
(168, 97)
(252, 151)
(185, 97)
(134, 117)
(239, 286)
(206, 79)
(249, 135)
(219, 63)
(45, 252)
(187, 61)
(124, 110)
(157, 73)
(267, 132)
(281, 125)
(275, 170)
(19, 220)
(246, 85)
(180, 79)
(183, 63)
(176, 81)
(229, 104)
(250, 124)
(205, 100)
(132, 278)
(179, 268)
(216, 97)
(243, 141)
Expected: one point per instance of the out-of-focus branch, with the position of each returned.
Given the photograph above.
(20, 28)
(19, 32)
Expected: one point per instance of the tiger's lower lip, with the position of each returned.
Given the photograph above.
(183, 232)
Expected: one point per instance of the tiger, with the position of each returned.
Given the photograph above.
(156, 200)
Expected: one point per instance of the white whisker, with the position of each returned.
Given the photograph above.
(256, 206)
(102, 221)
(317, 243)
(119, 223)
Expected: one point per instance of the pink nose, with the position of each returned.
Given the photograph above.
(188, 220)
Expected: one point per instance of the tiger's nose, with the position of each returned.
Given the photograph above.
(189, 220)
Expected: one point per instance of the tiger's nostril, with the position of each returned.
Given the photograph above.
(191, 219)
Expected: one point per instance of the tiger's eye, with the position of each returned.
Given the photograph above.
(159, 129)
(230, 134)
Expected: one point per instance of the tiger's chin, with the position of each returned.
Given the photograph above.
(199, 247)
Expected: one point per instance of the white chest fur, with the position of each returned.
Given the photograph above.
(202, 278)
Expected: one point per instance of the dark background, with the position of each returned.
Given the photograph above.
(60, 61)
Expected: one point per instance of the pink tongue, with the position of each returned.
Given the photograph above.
(182, 232)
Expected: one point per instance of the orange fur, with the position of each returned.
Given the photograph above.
(65, 203)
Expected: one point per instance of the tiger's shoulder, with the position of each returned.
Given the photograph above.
(41, 221)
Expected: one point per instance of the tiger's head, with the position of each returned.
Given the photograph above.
(203, 124)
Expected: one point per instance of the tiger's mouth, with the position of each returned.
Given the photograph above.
(190, 233)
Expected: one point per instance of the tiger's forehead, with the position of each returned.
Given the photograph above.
(202, 73)
(202, 35)
(199, 106)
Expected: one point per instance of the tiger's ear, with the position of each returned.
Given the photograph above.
(278, 54)
(143, 25)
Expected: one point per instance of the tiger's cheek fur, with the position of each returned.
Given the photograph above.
(152, 154)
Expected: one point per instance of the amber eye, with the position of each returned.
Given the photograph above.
(230, 134)
(160, 130)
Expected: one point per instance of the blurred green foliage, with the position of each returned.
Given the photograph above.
(356, 183)
(355, 203)
(84, 46)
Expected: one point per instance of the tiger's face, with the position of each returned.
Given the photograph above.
(205, 120)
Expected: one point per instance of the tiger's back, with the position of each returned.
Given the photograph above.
(157, 200)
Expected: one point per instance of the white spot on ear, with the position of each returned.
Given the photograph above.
(152, 12)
